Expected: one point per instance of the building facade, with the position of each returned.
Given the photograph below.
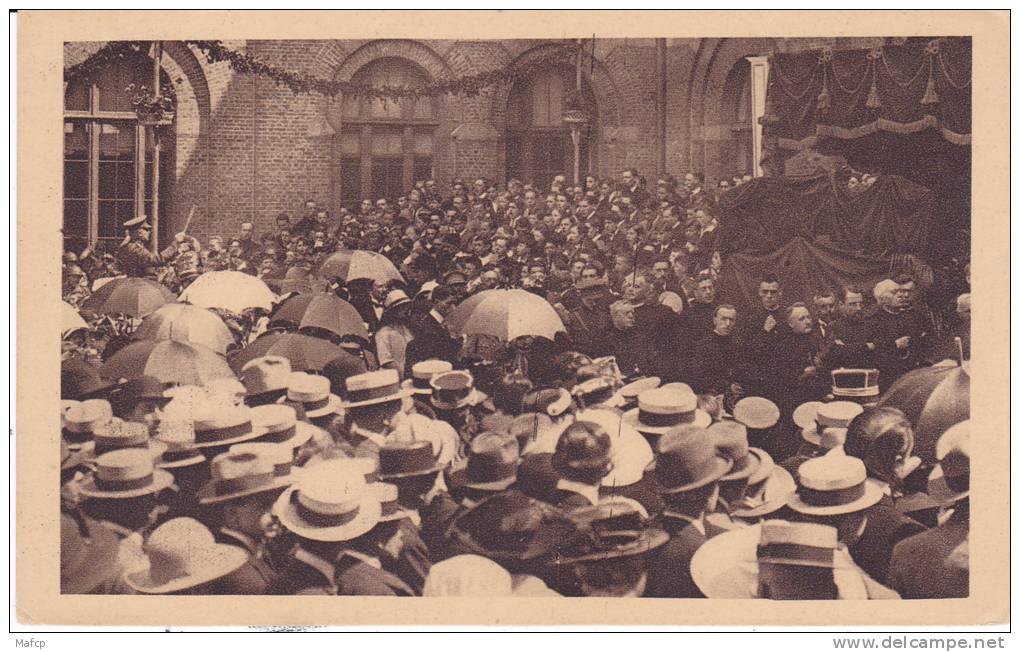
(243, 148)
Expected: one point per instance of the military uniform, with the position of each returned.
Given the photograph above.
(135, 259)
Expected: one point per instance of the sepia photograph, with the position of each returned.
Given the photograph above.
(597, 316)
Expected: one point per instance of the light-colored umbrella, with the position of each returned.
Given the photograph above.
(305, 353)
(321, 310)
(933, 398)
(229, 290)
(182, 322)
(178, 363)
(506, 314)
(133, 296)
(349, 264)
(70, 320)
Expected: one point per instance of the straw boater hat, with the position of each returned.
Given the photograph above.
(491, 464)
(125, 473)
(833, 484)
(312, 392)
(265, 377)
(221, 424)
(331, 503)
(662, 409)
(630, 392)
(454, 389)
(184, 554)
(814, 420)
(280, 425)
(389, 506)
(372, 388)
(117, 434)
(686, 460)
(81, 419)
(246, 470)
(758, 415)
(949, 481)
(422, 372)
(179, 437)
(230, 389)
(727, 565)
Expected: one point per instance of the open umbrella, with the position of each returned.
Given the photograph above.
(347, 265)
(172, 362)
(230, 290)
(70, 320)
(182, 322)
(304, 352)
(133, 296)
(933, 398)
(506, 314)
(321, 310)
(297, 280)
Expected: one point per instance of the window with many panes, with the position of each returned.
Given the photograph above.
(108, 155)
(386, 145)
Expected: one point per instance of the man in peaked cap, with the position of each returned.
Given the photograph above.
(133, 255)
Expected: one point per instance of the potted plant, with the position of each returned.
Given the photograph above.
(152, 110)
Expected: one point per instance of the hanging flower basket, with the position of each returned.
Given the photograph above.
(152, 111)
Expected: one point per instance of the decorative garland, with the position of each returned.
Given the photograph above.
(244, 63)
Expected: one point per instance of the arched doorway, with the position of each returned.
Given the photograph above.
(738, 116)
(538, 142)
(108, 156)
(385, 146)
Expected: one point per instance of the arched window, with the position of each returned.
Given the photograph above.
(538, 141)
(739, 116)
(386, 145)
(108, 155)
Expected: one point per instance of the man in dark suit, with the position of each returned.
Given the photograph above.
(762, 327)
(847, 343)
(899, 332)
(658, 326)
(698, 318)
(718, 357)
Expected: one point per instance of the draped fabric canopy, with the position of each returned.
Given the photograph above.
(922, 84)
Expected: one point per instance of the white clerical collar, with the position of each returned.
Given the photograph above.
(588, 491)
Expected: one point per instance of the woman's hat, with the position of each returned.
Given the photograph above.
(265, 375)
(662, 409)
(615, 528)
(372, 388)
(117, 434)
(81, 419)
(491, 464)
(836, 415)
(833, 484)
(125, 473)
(547, 402)
(312, 392)
(731, 441)
(80, 380)
(280, 425)
(726, 566)
(687, 459)
(407, 458)
(184, 554)
(422, 372)
(245, 471)
(331, 503)
(222, 424)
(949, 481)
(453, 390)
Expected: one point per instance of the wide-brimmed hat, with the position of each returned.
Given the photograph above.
(178, 435)
(388, 496)
(135, 390)
(117, 434)
(422, 372)
(551, 402)
(730, 439)
(630, 453)
(615, 528)
(184, 554)
(80, 380)
(245, 470)
(583, 446)
(312, 392)
(331, 503)
(228, 389)
(81, 419)
(395, 298)
(491, 464)
(280, 425)
(726, 566)
(372, 388)
(407, 458)
(630, 392)
(596, 391)
(88, 553)
(836, 415)
(125, 473)
(222, 424)
(453, 390)
(687, 459)
(266, 375)
(664, 408)
(772, 495)
(833, 484)
(949, 481)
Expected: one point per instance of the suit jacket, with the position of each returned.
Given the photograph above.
(923, 566)
(135, 259)
(886, 527)
(669, 567)
(884, 328)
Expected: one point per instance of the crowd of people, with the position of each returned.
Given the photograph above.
(662, 443)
